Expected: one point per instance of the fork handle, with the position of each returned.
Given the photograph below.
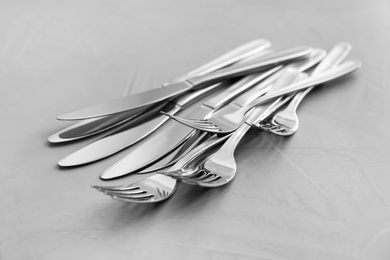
(196, 152)
(240, 53)
(297, 98)
(228, 148)
(332, 74)
(230, 145)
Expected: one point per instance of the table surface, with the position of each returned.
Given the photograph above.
(320, 194)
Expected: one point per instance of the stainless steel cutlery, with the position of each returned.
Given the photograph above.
(172, 135)
(215, 105)
(220, 167)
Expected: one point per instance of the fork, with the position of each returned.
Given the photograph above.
(161, 186)
(220, 167)
(155, 188)
(286, 122)
(227, 123)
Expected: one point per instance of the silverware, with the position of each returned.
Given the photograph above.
(216, 170)
(92, 126)
(220, 167)
(276, 80)
(160, 187)
(160, 94)
(153, 189)
(228, 123)
(172, 135)
(171, 139)
(286, 122)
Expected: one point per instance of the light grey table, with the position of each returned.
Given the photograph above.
(323, 193)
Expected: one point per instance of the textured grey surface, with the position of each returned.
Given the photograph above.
(320, 194)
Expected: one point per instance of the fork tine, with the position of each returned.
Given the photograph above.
(131, 196)
(283, 131)
(116, 188)
(198, 176)
(190, 120)
(134, 200)
(119, 192)
(213, 178)
(173, 174)
(204, 180)
(185, 121)
(273, 128)
(209, 178)
(203, 125)
(266, 126)
(122, 193)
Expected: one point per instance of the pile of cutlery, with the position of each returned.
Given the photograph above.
(188, 129)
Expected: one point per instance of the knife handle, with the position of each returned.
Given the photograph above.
(260, 64)
(242, 52)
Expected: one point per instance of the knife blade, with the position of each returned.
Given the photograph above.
(125, 137)
(129, 134)
(160, 94)
(172, 135)
(89, 127)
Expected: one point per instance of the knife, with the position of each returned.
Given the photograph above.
(125, 137)
(172, 135)
(160, 94)
(89, 127)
